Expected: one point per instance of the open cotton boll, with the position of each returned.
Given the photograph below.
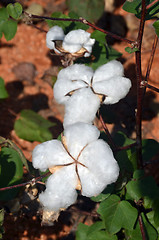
(114, 88)
(108, 70)
(102, 168)
(78, 135)
(88, 46)
(60, 189)
(49, 154)
(75, 40)
(54, 33)
(81, 107)
(71, 78)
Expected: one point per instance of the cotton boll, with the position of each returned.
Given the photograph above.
(114, 88)
(49, 154)
(102, 169)
(78, 135)
(60, 189)
(81, 107)
(88, 46)
(108, 70)
(71, 78)
(74, 40)
(54, 33)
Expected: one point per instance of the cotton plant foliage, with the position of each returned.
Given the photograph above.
(80, 161)
(76, 41)
(82, 90)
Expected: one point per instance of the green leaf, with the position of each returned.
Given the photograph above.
(3, 14)
(93, 232)
(62, 24)
(150, 217)
(99, 36)
(101, 55)
(132, 6)
(156, 26)
(143, 186)
(156, 211)
(91, 10)
(11, 172)
(3, 91)
(9, 29)
(149, 149)
(32, 127)
(105, 194)
(131, 50)
(117, 214)
(76, 25)
(1, 222)
(149, 230)
(14, 10)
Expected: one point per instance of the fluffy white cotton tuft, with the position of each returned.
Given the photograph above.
(60, 189)
(78, 135)
(108, 70)
(71, 78)
(49, 154)
(115, 88)
(77, 39)
(101, 168)
(54, 33)
(81, 107)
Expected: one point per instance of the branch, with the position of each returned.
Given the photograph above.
(142, 228)
(139, 86)
(151, 58)
(151, 4)
(110, 140)
(151, 87)
(32, 182)
(84, 21)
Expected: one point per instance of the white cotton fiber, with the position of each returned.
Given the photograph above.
(102, 169)
(78, 135)
(108, 70)
(115, 88)
(60, 189)
(88, 46)
(70, 79)
(81, 107)
(75, 40)
(49, 154)
(54, 33)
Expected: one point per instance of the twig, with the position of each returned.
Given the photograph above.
(84, 21)
(139, 86)
(151, 87)
(126, 147)
(151, 4)
(32, 182)
(111, 142)
(142, 228)
(151, 58)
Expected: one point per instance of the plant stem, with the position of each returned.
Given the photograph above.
(84, 21)
(32, 181)
(151, 58)
(151, 4)
(142, 228)
(139, 87)
(151, 87)
(110, 140)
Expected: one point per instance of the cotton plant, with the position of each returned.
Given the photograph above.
(75, 44)
(80, 161)
(83, 90)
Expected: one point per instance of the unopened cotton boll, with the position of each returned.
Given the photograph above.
(87, 160)
(82, 106)
(54, 33)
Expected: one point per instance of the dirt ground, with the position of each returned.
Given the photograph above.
(27, 68)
